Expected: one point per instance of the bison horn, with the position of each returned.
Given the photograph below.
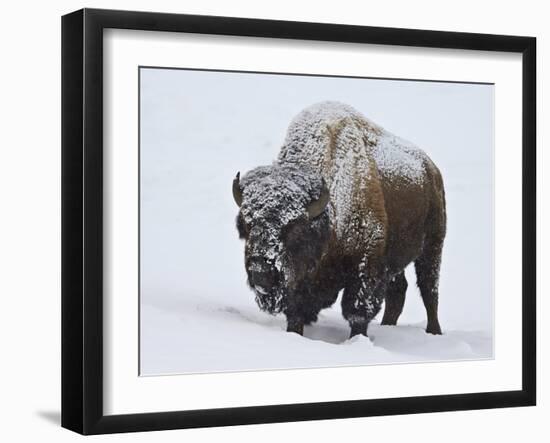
(316, 207)
(237, 191)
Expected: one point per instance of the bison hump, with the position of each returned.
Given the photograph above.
(398, 158)
(330, 136)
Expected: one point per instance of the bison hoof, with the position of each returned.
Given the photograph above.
(358, 329)
(434, 329)
(295, 327)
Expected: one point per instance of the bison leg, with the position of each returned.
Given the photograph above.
(300, 311)
(295, 325)
(395, 299)
(360, 304)
(427, 278)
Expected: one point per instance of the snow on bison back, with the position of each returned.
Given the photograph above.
(347, 205)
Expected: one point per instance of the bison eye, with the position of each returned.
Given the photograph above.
(293, 235)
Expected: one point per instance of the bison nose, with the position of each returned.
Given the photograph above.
(260, 272)
(257, 264)
(262, 279)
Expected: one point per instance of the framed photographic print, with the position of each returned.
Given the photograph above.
(269, 221)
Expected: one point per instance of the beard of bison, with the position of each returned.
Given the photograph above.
(286, 229)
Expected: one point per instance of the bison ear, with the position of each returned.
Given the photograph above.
(316, 207)
(237, 191)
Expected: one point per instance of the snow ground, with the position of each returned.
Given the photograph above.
(209, 337)
(197, 313)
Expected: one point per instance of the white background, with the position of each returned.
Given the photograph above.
(30, 234)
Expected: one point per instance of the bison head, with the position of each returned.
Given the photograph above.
(285, 225)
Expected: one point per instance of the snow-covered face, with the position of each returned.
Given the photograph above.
(284, 238)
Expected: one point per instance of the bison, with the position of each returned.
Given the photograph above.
(346, 206)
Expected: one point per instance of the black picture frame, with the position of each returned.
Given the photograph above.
(82, 216)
